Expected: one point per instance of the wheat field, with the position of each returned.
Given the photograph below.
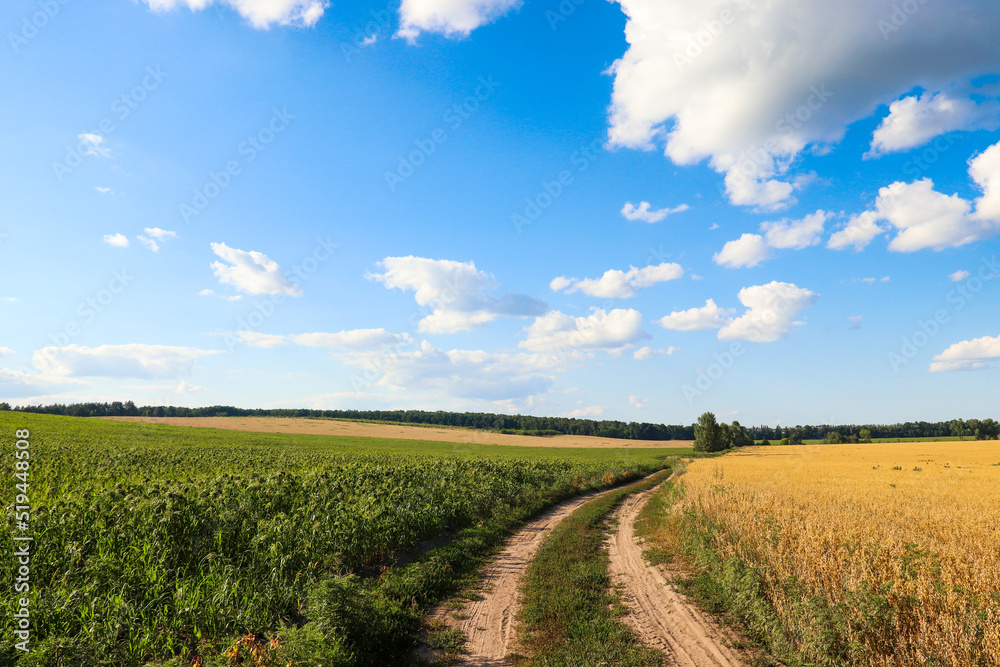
(883, 554)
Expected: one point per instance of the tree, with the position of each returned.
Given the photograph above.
(708, 435)
(958, 428)
(738, 435)
(765, 443)
(795, 438)
(989, 429)
(834, 438)
(865, 435)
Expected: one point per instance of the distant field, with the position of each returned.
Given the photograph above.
(943, 438)
(155, 542)
(871, 555)
(357, 429)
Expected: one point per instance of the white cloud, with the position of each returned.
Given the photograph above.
(149, 243)
(771, 312)
(260, 13)
(748, 250)
(968, 355)
(615, 284)
(6, 352)
(457, 293)
(257, 339)
(914, 121)
(134, 360)
(858, 232)
(93, 144)
(855, 321)
(370, 40)
(589, 412)
(778, 77)
(958, 276)
(644, 213)
(117, 240)
(796, 234)
(710, 316)
(472, 374)
(638, 402)
(925, 218)
(556, 331)
(206, 292)
(103, 191)
(160, 234)
(355, 339)
(251, 272)
(872, 281)
(453, 18)
(646, 352)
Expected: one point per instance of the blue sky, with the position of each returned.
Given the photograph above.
(782, 212)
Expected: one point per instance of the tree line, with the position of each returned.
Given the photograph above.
(982, 429)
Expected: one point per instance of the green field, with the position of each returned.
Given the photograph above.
(156, 544)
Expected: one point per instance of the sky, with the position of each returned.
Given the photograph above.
(784, 212)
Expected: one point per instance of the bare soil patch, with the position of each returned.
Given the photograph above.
(392, 431)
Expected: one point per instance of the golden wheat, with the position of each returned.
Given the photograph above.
(900, 540)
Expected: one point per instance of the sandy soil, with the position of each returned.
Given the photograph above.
(489, 623)
(658, 613)
(361, 429)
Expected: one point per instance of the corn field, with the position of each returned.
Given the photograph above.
(883, 555)
(146, 547)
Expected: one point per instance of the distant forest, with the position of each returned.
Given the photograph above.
(509, 423)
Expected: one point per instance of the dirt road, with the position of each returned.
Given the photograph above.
(659, 614)
(489, 623)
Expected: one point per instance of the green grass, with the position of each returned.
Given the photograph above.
(569, 616)
(158, 543)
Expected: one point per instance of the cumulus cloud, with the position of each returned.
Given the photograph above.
(925, 218)
(134, 360)
(260, 13)
(472, 374)
(646, 352)
(117, 240)
(615, 284)
(958, 276)
(771, 312)
(778, 77)
(452, 18)
(355, 339)
(589, 412)
(258, 339)
(795, 234)
(251, 272)
(6, 352)
(457, 293)
(913, 121)
(710, 316)
(160, 234)
(857, 233)
(93, 144)
(556, 331)
(643, 212)
(752, 249)
(746, 251)
(968, 355)
(638, 402)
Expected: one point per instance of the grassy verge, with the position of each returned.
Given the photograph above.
(569, 616)
(729, 590)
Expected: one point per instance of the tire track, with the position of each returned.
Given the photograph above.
(658, 613)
